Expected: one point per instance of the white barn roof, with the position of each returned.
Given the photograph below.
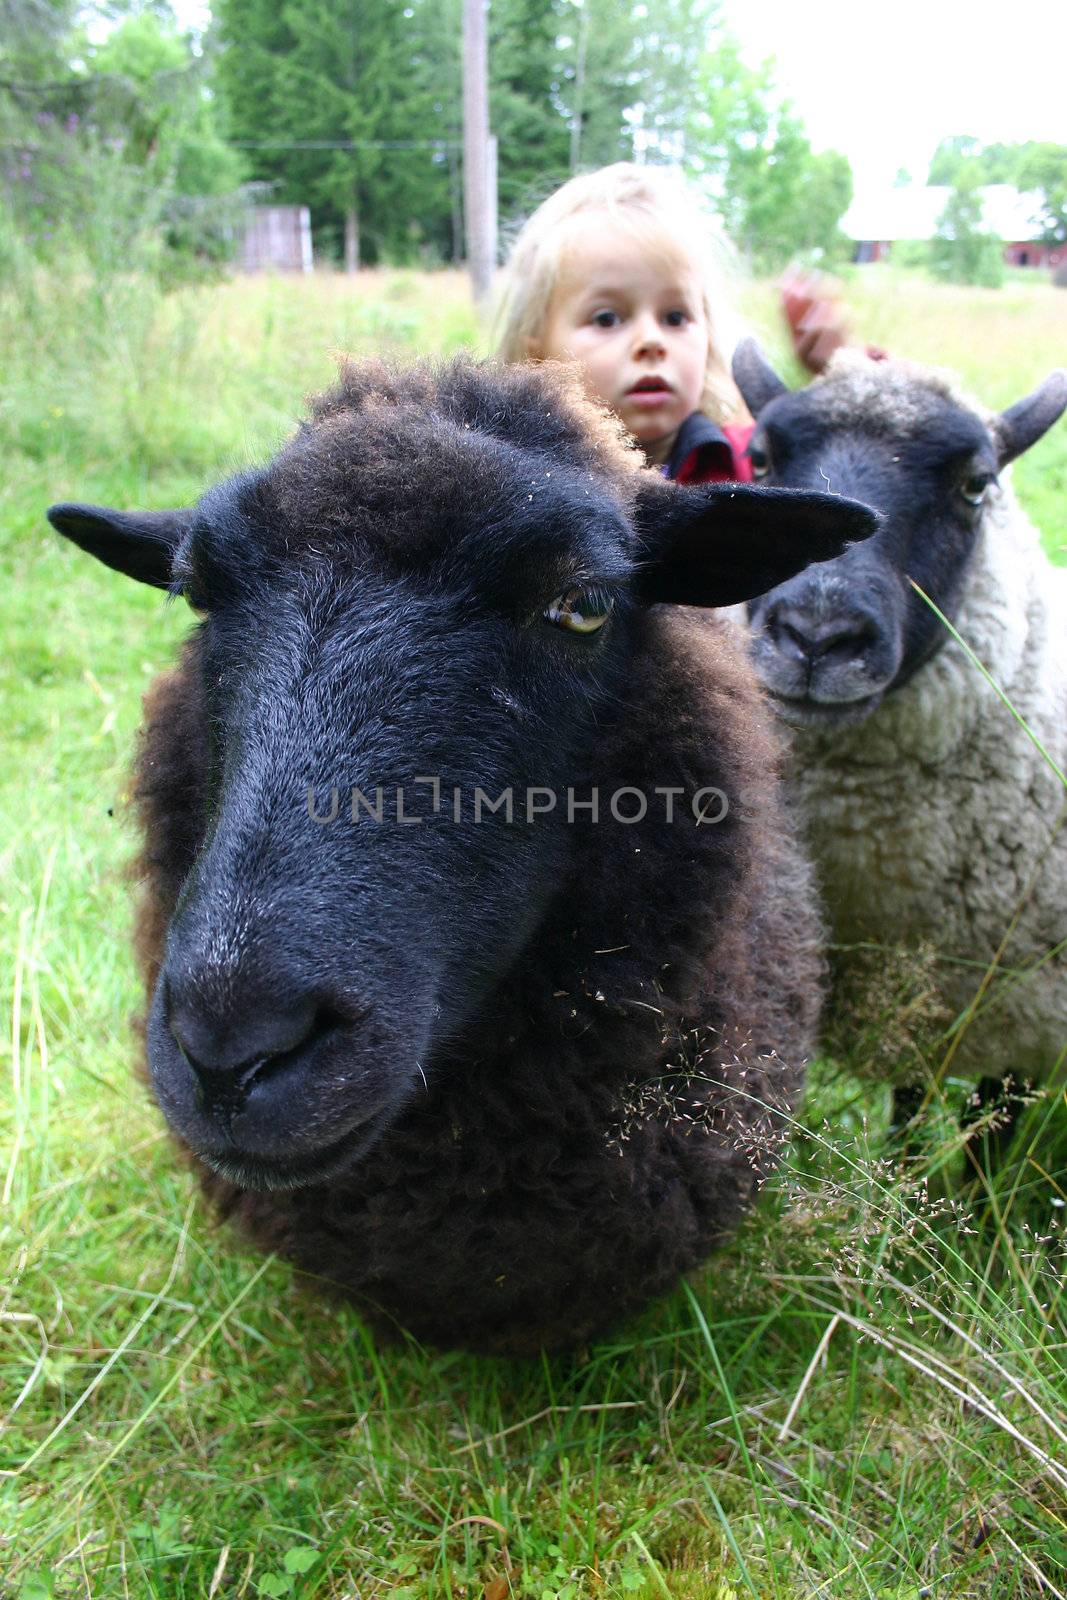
(913, 212)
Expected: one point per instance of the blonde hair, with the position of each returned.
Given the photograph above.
(658, 208)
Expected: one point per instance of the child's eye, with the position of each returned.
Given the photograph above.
(605, 319)
(676, 319)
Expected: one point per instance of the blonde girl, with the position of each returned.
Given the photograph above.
(621, 271)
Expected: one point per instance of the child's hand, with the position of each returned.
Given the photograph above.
(815, 316)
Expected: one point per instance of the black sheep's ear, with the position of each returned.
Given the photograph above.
(1023, 423)
(139, 543)
(722, 543)
(755, 377)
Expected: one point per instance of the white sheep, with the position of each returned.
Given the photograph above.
(933, 816)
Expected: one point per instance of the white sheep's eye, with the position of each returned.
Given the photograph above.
(761, 462)
(580, 610)
(973, 488)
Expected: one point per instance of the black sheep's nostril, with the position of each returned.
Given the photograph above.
(231, 1038)
(224, 1093)
(227, 1093)
(228, 1059)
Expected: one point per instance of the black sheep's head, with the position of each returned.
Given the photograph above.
(432, 594)
(831, 642)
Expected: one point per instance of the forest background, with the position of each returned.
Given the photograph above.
(128, 139)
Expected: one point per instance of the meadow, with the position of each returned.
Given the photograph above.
(865, 1395)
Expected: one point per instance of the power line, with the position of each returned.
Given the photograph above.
(342, 144)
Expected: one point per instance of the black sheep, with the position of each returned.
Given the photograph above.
(498, 1071)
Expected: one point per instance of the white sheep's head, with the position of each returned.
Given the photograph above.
(832, 642)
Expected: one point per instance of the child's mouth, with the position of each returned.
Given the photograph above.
(648, 391)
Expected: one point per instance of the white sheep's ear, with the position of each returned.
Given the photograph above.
(722, 543)
(1023, 423)
(755, 377)
(140, 544)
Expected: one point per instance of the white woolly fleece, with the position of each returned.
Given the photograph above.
(886, 397)
(937, 818)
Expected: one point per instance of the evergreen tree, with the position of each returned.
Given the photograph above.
(320, 75)
(526, 58)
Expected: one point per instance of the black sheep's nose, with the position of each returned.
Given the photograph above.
(796, 632)
(227, 1061)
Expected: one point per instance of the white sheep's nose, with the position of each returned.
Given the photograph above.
(794, 631)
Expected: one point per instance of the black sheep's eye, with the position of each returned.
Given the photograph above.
(580, 610)
(761, 461)
(186, 584)
(974, 486)
(183, 588)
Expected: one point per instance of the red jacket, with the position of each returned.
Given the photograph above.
(706, 453)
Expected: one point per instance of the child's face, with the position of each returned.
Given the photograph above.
(635, 322)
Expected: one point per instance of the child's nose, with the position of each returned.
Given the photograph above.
(648, 336)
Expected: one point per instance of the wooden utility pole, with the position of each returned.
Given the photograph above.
(579, 88)
(352, 238)
(479, 196)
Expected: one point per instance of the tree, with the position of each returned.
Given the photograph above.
(116, 140)
(573, 84)
(32, 38)
(777, 197)
(578, 84)
(951, 155)
(1029, 166)
(351, 91)
(823, 195)
(170, 118)
(995, 163)
(1043, 168)
(962, 251)
(668, 38)
(526, 55)
(154, 107)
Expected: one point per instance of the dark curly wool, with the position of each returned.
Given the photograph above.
(499, 1081)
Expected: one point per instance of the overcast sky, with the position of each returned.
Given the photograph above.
(885, 82)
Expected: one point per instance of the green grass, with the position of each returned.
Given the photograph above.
(863, 1396)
